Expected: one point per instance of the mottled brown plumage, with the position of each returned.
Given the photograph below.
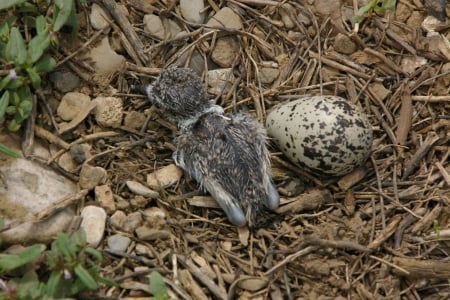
(227, 155)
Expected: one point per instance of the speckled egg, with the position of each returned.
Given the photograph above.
(326, 134)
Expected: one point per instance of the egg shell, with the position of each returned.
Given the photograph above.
(326, 134)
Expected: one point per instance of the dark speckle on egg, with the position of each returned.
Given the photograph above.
(326, 134)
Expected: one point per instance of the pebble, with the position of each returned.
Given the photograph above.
(268, 75)
(143, 250)
(160, 28)
(343, 44)
(139, 202)
(225, 51)
(164, 177)
(71, 104)
(220, 80)
(155, 217)
(105, 198)
(227, 18)
(253, 284)
(80, 152)
(104, 59)
(28, 189)
(66, 162)
(134, 120)
(91, 176)
(150, 234)
(118, 243)
(140, 189)
(118, 219)
(132, 221)
(109, 111)
(190, 10)
(98, 17)
(93, 222)
(286, 10)
(64, 81)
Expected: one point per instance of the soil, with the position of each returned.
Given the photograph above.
(380, 232)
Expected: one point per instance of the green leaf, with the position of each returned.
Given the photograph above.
(63, 11)
(4, 102)
(4, 82)
(15, 83)
(35, 78)
(11, 261)
(38, 45)
(157, 286)
(85, 277)
(8, 151)
(13, 125)
(41, 25)
(95, 253)
(53, 282)
(8, 3)
(15, 49)
(45, 64)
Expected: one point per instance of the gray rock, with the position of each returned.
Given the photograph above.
(268, 75)
(27, 189)
(105, 198)
(118, 219)
(64, 81)
(105, 59)
(98, 17)
(164, 177)
(190, 10)
(109, 111)
(93, 222)
(91, 176)
(225, 51)
(71, 104)
(118, 243)
(220, 80)
(227, 18)
(132, 221)
(160, 27)
(141, 189)
(150, 234)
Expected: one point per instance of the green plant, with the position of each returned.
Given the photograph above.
(374, 6)
(73, 265)
(158, 286)
(27, 30)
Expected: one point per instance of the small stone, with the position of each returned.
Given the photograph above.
(118, 243)
(286, 10)
(91, 176)
(134, 119)
(164, 177)
(155, 217)
(93, 222)
(220, 81)
(109, 111)
(227, 18)
(225, 51)
(139, 202)
(141, 189)
(154, 26)
(80, 152)
(64, 81)
(71, 104)
(344, 44)
(118, 219)
(253, 284)
(105, 59)
(159, 27)
(98, 17)
(121, 203)
(67, 163)
(190, 10)
(150, 234)
(132, 221)
(105, 198)
(268, 75)
(143, 250)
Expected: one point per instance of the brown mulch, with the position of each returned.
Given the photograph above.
(379, 232)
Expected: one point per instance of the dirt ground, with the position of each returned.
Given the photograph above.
(381, 232)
